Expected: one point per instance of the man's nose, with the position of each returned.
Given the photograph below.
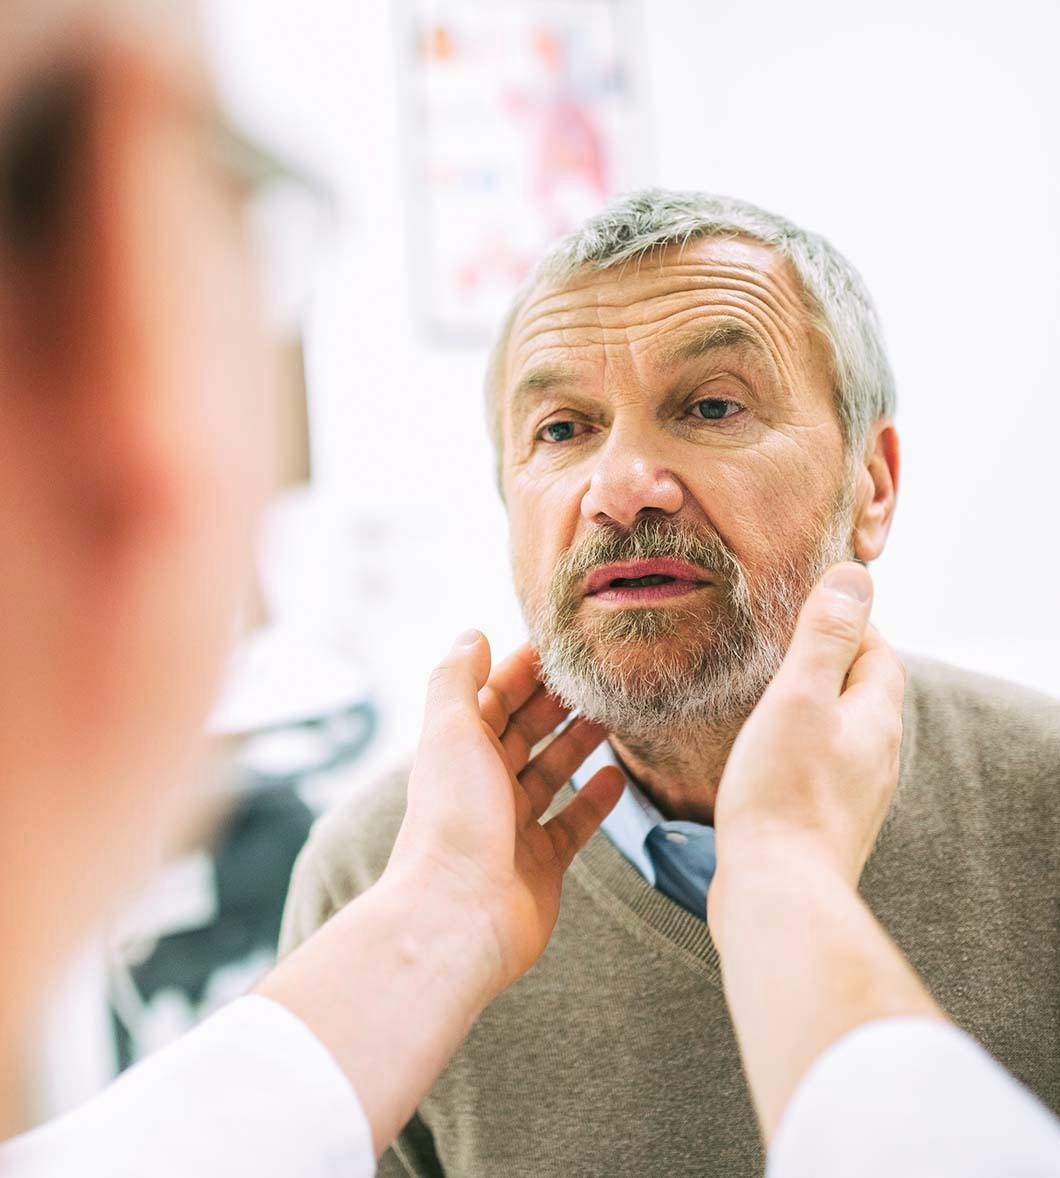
(627, 482)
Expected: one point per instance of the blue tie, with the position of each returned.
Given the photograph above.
(684, 857)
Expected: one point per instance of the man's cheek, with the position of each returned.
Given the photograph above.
(525, 562)
(767, 512)
(533, 535)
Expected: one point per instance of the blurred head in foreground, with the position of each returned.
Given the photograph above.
(691, 407)
(134, 393)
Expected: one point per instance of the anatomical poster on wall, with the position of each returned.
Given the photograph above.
(524, 123)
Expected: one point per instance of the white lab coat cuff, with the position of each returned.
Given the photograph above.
(249, 1091)
(915, 1097)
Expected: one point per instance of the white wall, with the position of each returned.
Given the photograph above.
(922, 136)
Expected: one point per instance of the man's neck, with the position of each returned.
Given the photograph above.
(679, 774)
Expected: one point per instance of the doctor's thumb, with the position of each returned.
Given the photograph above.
(455, 681)
(830, 629)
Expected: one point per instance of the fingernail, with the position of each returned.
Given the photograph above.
(468, 638)
(850, 580)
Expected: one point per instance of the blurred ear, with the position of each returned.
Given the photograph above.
(79, 174)
(877, 492)
(100, 678)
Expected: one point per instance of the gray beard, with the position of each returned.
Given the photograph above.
(708, 667)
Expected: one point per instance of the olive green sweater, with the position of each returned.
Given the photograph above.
(615, 1056)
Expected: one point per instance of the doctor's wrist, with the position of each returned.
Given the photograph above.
(447, 929)
(772, 869)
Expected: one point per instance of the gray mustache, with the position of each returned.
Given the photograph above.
(647, 539)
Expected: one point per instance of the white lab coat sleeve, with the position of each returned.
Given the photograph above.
(250, 1091)
(917, 1098)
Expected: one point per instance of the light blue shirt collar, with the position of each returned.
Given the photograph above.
(684, 852)
(632, 819)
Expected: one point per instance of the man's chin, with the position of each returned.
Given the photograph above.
(664, 685)
(611, 632)
(644, 666)
(646, 708)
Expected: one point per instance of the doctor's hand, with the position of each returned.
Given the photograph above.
(470, 896)
(801, 803)
(814, 770)
(473, 829)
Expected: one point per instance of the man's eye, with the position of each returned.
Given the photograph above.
(561, 431)
(715, 408)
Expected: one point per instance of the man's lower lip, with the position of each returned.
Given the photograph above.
(646, 594)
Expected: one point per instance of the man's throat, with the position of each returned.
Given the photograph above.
(679, 776)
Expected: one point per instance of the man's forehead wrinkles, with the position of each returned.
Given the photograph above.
(538, 321)
(734, 329)
(551, 335)
(786, 306)
(725, 271)
(619, 288)
(741, 323)
(761, 319)
(584, 322)
(560, 312)
(654, 315)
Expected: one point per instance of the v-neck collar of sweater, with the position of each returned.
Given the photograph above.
(615, 884)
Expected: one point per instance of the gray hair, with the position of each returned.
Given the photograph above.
(640, 223)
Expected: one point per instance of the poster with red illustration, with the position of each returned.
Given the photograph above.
(524, 124)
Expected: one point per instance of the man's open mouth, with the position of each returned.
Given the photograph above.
(645, 581)
(651, 579)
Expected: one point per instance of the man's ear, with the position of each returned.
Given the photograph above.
(877, 491)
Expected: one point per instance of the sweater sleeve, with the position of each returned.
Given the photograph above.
(915, 1097)
(250, 1091)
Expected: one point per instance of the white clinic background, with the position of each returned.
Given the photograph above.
(921, 136)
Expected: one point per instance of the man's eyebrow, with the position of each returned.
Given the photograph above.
(694, 344)
(543, 377)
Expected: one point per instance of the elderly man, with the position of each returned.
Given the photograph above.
(692, 411)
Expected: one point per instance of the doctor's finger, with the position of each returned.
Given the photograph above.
(529, 725)
(554, 765)
(829, 633)
(452, 690)
(510, 686)
(876, 685)
(877, 664)
(577, 822)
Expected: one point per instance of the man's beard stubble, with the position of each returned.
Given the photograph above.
(705, 666)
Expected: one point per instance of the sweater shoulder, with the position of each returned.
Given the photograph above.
(970, 734)
(345, 854)
(985, 708)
